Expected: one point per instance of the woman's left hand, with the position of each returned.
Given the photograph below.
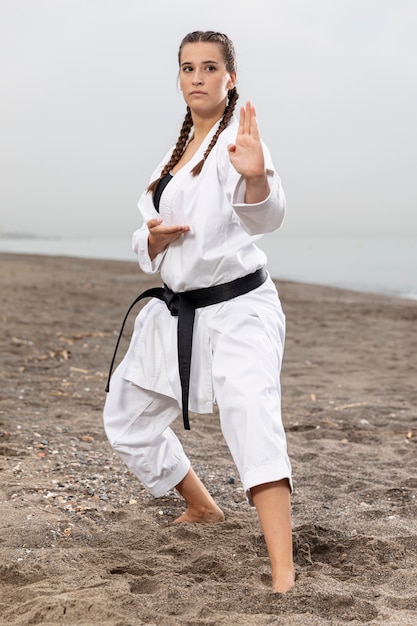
(247, 156)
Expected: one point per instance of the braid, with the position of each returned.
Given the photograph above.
(177, 151)
(227, 115)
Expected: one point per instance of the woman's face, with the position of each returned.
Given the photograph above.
(204, 80)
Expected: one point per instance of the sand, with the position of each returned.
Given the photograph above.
(82, 543)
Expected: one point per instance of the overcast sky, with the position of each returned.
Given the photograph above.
(89, 105)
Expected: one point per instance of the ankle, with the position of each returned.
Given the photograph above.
(283, 580)
(206, 511)
(202, 514)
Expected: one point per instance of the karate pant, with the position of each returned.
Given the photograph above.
(246, 363)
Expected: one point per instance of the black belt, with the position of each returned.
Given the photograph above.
(183, 306)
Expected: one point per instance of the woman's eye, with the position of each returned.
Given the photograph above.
(210, 68)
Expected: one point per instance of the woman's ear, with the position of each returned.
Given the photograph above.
(232, 81)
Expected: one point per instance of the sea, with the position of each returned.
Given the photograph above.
(374, 265)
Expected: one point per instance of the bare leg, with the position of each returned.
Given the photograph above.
(272, 502)
(201, 506)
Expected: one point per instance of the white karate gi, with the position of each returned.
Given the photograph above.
(237, 345)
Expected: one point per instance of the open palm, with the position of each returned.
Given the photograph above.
(246, 155)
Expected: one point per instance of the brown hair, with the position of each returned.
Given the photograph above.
(229, 56)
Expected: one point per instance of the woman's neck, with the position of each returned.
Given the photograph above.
(202, 126)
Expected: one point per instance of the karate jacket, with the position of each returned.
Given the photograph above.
(220, 247)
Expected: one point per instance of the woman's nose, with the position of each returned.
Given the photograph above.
(197, 78)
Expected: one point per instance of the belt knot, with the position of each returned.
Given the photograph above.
(172, 300)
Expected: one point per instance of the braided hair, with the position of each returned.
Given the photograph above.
(229, 55)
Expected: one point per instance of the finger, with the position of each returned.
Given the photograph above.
(241, 121)
(248, 117)
(153, 223)
(176, 230)
(177, 235)
(254, 125)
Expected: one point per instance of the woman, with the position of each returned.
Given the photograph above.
(213, 195)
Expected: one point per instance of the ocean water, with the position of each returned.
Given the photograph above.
(385, 266)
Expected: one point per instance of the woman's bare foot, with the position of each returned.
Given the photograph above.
(201, 506)
(202, 516)
(283, 581)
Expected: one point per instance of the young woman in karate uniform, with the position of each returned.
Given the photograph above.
(210, 199)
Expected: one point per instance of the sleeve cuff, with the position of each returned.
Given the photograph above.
(238, 199)
(140, 247)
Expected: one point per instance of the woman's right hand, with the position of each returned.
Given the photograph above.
(160, 235)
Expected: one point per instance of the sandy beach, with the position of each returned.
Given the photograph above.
(82, 543)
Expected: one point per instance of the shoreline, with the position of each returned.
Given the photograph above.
(404, 294)
(81, 542)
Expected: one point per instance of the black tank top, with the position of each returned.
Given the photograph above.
(159, 189)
